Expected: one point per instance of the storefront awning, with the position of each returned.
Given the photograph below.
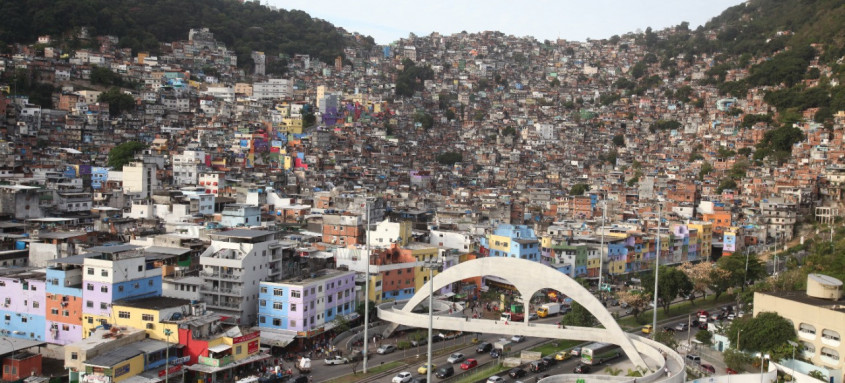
(277, 339)
(219, 348)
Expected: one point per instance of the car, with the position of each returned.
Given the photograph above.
(420, 379)
(581, 368)
(456, 357)
(298, 379)
(495, 379)
(647, 329)
(681, 327)
(549, 360)
(709, 368)
(495, 353)
(517, 373)
(693, 359)
(562, 355)
(703, 326)
(730, 371)
(444, 372)
(576, 351)
(386, 349)
(517, 338)
(402, 377)
(468, 364)
(484, 347)
(537, 366)
(419, 342)
(532, 316)
(437, 338)
(731, 316)
(337, 359)
(623, 305)
(669, 329)
(424, 368)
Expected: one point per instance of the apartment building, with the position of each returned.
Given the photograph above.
(306, 305)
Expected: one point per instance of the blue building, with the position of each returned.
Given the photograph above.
(307, 305)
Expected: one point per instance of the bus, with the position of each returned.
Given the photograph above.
(595, 354)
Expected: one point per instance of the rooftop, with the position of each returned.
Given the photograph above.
(114, 357)
(154, 303)
(802, 297)
(243, 233)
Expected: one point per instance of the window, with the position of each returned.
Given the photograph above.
(35, 304)
(262, 302)
(90, 287)
(123, 314)
(263, 290)
(120, 289)
(104, 306)
(89, 304)
(830, 335)
(140, 268)
(137, 285)
(90, 271)
(8, 317)
(104, 273)
(65, 313)
(147, 317)
(74, 356)
(830, 353)
(278, 292)
(104, 289)
(293, 307)
(238, 350)
(278, 305)
(52, 311)
(292, 323)
(295, 294)
(150, 282)
(277, 322)
(90, 320)
(65, 327)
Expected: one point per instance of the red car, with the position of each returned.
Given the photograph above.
(730, 371)
(469, 363)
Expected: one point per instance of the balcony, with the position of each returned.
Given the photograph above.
(224, 305)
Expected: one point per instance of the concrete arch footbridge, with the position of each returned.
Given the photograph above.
(528, 277)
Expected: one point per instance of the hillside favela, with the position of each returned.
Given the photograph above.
(224, 191)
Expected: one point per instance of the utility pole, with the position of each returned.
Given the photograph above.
(656, 270)
(367, 284)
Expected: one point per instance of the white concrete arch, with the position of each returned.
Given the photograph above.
(527, 277)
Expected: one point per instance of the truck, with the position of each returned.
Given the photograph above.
(512, 317)
(303, 365)
(548, 309)
(503, 345)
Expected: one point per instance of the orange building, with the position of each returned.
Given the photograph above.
(721, 220)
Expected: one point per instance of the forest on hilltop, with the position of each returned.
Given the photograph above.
(243, 27)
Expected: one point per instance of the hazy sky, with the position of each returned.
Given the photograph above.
(577, 20)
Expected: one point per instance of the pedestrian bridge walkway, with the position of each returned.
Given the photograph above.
(529, 277)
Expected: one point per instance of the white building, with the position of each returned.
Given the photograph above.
(233, 266)
(187, 167)
(276, 88)
(139, 177)
(451, 240)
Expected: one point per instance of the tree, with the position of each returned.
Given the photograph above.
(450, 114)
(636, 300)
(424, 119)
(619, 140)
(578, 189)
(766, 333)
(705, 337)
(818, 375)
(672, 283)
(734, 265)
(699, 275)
(449, 158)
(118, 101)
(666, 337)
(578, 316)
(124, 153)
(719, 281)
(735, 359)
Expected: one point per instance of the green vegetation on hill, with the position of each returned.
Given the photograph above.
(243, 27)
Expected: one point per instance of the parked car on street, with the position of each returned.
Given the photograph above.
(468, 364)
(402, 377)
(386, 349)
(337, 359)
(581, 368)
(456, 357)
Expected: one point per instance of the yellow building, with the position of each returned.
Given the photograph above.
(292, 125)
(500, 243)
(118, 365)
(147, 314)
(817, 317)
(705, 235)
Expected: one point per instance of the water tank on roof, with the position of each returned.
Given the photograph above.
(824, 287)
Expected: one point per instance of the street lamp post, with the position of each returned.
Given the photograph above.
(601, 252)
(367, 285)
(6, 338)
(656, 271)
(737, 339)
(792, 362)
(167, 333)
(430, 265)
(763, 359)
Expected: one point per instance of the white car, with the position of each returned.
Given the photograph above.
(402, 377)
(386, 349)
(337, 359)
(495, 379)
(517, 338)
(456, 357)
